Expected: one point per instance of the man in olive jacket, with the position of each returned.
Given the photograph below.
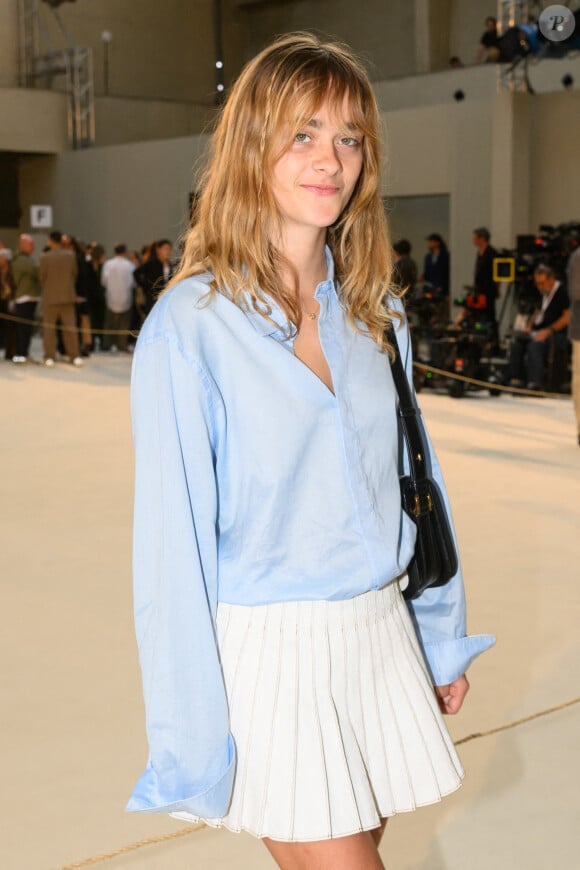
(26, 295)
(58, 272)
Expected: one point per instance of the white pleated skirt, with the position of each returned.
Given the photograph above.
(334, 717)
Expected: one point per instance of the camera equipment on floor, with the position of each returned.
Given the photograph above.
(469, 350)
(550, 246)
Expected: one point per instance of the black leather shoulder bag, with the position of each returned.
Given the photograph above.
(435, 560)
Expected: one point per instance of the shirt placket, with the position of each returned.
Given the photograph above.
(330, 331)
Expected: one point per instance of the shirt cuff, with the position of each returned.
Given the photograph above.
(448, 660)
(210, 803)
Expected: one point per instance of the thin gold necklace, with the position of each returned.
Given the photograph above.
(312, 316)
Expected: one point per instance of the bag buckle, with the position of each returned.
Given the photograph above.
(417, 507)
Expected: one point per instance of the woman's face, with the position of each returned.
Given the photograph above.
(313, 180)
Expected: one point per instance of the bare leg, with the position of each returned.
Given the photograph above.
(357, 852)
(377, 833)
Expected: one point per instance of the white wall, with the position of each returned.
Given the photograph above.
(555, 165)
(161, 49)
(415, 217)
(383, 33)
(467, 25)
(128, 193)
(8, 43)
(119, 120)
(34, 121)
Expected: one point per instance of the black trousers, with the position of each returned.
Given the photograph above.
(535, 354)
(24, 331)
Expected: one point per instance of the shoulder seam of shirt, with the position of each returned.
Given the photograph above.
(188, 358)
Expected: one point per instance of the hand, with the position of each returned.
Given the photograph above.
(541, 334)
(451, 697)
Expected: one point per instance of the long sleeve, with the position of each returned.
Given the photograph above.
(191, 752)
(439, 614)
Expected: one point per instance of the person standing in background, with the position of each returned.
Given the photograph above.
(96, 293)
(154, 273)
(117, 279)
(26, 295)
(484, 291)
(436, 273)
(58, 275)
(404, 266)
(7, 327)
(82, 301)
(574, 324)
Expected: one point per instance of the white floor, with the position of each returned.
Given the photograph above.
(72, 728)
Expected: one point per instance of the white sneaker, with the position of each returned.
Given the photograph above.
(78, 361)
(49, 363)
(19, 359)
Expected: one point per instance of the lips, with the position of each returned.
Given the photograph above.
(321, 189)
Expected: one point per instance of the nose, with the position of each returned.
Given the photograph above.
(326, 159)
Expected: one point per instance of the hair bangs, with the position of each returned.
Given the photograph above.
(320, 78)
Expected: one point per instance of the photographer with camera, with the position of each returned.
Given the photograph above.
(544, 333)
(480, 301)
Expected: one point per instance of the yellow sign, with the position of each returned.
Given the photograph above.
(504, 269)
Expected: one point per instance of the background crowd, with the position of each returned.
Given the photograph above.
(90, 303)
(86, 302)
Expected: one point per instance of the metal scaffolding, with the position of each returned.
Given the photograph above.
(510, 13)
(41, 62)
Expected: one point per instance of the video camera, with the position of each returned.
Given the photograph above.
(550, 246)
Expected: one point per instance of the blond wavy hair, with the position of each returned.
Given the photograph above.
(237, 219)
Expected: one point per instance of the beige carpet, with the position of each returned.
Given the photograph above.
(72, 727)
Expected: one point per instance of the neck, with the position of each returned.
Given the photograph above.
(306, 255)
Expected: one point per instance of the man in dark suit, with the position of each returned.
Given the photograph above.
(436, 273)
(58, 274)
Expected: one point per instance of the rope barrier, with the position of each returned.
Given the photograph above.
(13, 318)
(488, 385)
(478, 734)
(132, 847)
(185, 832)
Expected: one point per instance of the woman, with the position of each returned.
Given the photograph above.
(285, 690)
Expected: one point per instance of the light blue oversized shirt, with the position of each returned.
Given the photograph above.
(255, 484)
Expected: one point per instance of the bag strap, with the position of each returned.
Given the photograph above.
(409, 414)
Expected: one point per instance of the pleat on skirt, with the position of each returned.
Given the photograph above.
(334, 717)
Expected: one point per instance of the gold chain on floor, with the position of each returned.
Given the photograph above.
(184, 832)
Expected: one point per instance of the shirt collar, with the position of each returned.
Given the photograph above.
(549, 296)
(263, 327)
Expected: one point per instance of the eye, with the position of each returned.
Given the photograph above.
(349, 141)
(302, 137)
